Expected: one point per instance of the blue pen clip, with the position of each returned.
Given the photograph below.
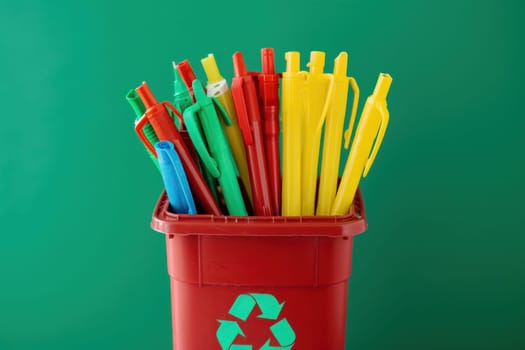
(174, 177)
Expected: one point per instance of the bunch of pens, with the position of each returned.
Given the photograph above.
(218, 149)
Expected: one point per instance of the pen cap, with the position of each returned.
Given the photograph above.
(179, 86)
(341, 64)
(180, 91)
(136, 103)
(211, 69)
(174, 178)
(316, 63)
(292, 61)
(268, 61)
(186, 72)
(382, 86)
(268, 81)
(239, 66)
(146, 95)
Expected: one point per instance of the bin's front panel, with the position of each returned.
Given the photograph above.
(259, 261)
(220, 318)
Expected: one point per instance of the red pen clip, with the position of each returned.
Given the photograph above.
(139, 129)
(237, 91)
(139, 126)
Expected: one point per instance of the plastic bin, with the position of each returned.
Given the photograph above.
(250, 283)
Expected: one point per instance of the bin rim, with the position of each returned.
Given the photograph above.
(346, 225)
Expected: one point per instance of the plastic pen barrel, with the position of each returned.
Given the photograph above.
(317, 99)
(292, 123)
(268, 82)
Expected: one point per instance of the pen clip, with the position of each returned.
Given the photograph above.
(194, 130)
(327, 102)
(175, 111)
(222, 111)
(379, 138)
(139, 129)
(241, 109)
(348, 131)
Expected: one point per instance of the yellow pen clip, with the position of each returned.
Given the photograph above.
(379, 138)
(348, 132)
(328, 101)
(379, 99)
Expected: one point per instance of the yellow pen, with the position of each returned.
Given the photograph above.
(333, 132)
(317, 97)
(218, 87)
(372, 126)
(292, 115)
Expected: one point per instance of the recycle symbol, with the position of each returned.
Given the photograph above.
(270, 310)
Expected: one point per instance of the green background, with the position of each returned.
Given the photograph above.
(442, 265)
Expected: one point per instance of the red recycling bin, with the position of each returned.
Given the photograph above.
(259, 283)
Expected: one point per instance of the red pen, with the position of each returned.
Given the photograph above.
(157, 115)
(187, 74)
(246, 105)
(268, 82)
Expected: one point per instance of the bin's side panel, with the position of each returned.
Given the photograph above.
(335, 259)
(315, 317)
(183, 258)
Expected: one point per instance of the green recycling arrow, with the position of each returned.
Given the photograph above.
(244, 304)
(269, 306)
(283, 333)
(242, 308)
(227, 332)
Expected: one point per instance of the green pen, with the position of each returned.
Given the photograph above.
(203, 113)
(182, 100)
(138, 107)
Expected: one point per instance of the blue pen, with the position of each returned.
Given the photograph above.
(174, 177)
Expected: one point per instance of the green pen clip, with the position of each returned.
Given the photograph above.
(220, 161)
(138, 107)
